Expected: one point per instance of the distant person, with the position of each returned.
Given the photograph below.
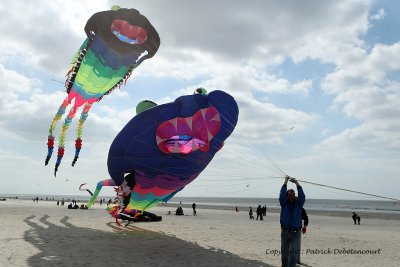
(259, 213)
(354, 216)
(358, 219)
(236, 209)
(304, 217)
(264, 210)
(179, 211)
(70, 206)
(194, 209)
(251, 214)
(290, 219)
(58, 203)
(101, 202)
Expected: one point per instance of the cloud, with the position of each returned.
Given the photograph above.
(363, 90)
(379, 15)
(47, 36)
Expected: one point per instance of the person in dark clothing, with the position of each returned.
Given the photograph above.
(259, 213)
(358, 219)
(354, 217)
(304, 217)
(179, 211)
(290, 220)
(264, 210)
(251, 214)
(194, 209)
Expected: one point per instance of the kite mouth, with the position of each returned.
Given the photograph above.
(128, 33)
(186, 135)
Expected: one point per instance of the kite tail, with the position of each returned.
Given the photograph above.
(78, 141)
(50, 139)
(109, 182)
(80, 189)
(50, 147)
(61, 141)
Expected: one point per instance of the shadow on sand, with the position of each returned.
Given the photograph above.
(69, 245)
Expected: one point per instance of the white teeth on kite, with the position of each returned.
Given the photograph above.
(209, 135)
(189, 121)
(203, 113)
(175, 123)
(216, 118)
(158, 140)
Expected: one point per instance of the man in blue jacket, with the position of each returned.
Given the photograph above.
(291, 223)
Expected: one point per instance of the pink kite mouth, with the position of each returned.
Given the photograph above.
(128, 33)
(186, 135)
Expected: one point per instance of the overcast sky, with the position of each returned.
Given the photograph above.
(317, 84)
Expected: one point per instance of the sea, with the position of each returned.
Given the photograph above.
(345, 205)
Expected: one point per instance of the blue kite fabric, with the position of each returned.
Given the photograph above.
(164, 148)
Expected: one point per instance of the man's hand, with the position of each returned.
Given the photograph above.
(287, 178)
(293, 180)
(304, 230)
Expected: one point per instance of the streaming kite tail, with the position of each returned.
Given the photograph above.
(50, 138)
(109, 182)
(61, 141)
(78, 141)
(50, 147)
(83, 189)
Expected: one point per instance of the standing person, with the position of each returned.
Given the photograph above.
(358, 219)
(251, 214)
(290, 220)
(304, 217)
(259, 213)
(194, 209)
(354, 217)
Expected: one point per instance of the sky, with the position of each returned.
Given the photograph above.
(317, 84)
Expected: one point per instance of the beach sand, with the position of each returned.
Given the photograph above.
(44, 234)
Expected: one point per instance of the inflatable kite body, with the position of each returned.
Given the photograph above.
(164, 148)
(118, 41)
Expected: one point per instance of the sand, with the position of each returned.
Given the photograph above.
(44, 234)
